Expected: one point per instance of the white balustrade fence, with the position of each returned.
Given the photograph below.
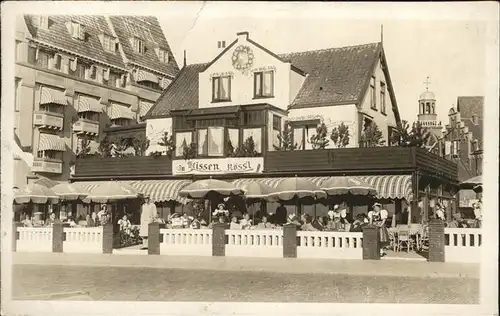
(462, 245)
(34, 239)
(330, 245)
(83, 240)
(254, 243)
(187, 242)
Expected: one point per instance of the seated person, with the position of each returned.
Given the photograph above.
(319, 223)
(176, 221)
(264, 224)
(234, 223)
(292, 219)
(124, 223)
(186, 220)
(358, 224)
(50, 221)
(195, 224)
(27, 222)
(307, 226)
(246, 222)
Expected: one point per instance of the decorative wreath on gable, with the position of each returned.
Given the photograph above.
(243, 58)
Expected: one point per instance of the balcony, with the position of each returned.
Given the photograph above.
(49, 120)
(349, 161)
(84, 126)
(47, 165)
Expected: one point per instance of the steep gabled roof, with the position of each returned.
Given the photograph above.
(335, 75)
(181, 94)
(58, 35)
(468, 107)
(149, 30)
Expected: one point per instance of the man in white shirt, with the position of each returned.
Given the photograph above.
(148, 215)
(440, 214)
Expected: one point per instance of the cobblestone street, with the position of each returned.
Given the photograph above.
(153, 284)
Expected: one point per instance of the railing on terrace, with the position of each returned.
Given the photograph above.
(34, 239)
(195, 242)
(330, 245)
(254, 243)
(462, 245)
(83, 240)
(341, 160)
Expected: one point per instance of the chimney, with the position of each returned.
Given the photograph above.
(242, 36)
(184, 58)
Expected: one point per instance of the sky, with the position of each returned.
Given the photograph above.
(449, 51)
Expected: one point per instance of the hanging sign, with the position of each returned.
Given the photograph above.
(218, 165)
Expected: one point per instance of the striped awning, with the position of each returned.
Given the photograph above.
(144, 107)
(52, 96)
(141, 75)
(388, 187)
(46, 182)
(87, 104)
(158, 190)
(391, 187)
(51, 142)
(116, 111)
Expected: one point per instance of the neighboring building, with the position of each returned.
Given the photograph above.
(77, 76)
(428, 118)
(463, 141)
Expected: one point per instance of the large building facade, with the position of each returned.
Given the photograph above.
(78, 76)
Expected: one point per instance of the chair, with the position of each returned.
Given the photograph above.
(393, 239)
(424, 238)
(404, 240)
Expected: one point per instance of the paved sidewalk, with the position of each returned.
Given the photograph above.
(300, 266)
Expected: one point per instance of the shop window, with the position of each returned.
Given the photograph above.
(221, 88)
(182, 140)
(264, 84)
(256, 134)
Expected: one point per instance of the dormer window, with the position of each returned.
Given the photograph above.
(76, 30)
(42, 22)
(138, 45)
(163, 55)
(108, 43)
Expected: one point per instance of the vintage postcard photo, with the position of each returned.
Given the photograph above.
(247, 158)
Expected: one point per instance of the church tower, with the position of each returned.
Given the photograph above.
(427, 113)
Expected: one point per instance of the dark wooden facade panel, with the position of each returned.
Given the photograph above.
(126, 166)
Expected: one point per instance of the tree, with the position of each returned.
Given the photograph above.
(417, 136)
(340, 135)
(372, 136)
(189, 151)
(286, 140)
(120, 146)
(106, 147)
(320, 139)
(84, 147)
(140, 144)
(247, 149)
(167, 142)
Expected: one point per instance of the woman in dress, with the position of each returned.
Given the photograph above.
(377, 217)
(246, 222)
(264, 224)
(124, 224)
(234, 223)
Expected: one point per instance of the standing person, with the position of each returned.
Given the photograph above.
(440, 213)
(50, 221)
(148, 213)
(478, 214)
(280, 215)
(377, 217)
(27, 222)
(103, 216)
(90, 221)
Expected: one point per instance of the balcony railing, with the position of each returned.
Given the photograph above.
(49, 120)
(84, 126)
(381, 160)
(47, 165)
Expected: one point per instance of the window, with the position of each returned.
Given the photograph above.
(203, 142)
(108, 43)
(264, 84)
(32, 55)
(57, 61)
(91, 116)
(221, 44)
(215, 141)
(221, 88)
(92, 73)
(77, 30)
(163, 56)
(276, 129)
(253, 118)
(182, 140)
(298, 137)
(41, 21)
(149, 84)
(43, 59)
(382, 98)
(19, 53)
(256, 134)
(48, 154)
(122, 122)
(234, 137)
(16, 94)
(373, 94)
(138, 45)
(427, 108)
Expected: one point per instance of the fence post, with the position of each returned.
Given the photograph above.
(107, 239)
(436, 241)
(219, 240)
(290, 241)
(15, 236)
(154, 238)
(57, 236)
(371, 242)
